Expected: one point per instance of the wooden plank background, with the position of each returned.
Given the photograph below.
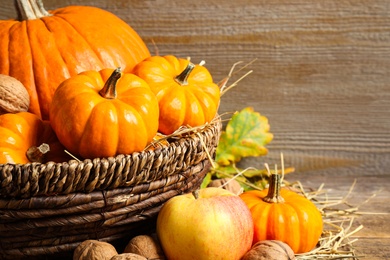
(321, 75)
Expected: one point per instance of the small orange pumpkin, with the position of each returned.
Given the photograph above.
(104, 113)
(185, 92)
(26, 138)
(281, 214)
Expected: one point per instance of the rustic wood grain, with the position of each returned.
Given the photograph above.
(320, 75)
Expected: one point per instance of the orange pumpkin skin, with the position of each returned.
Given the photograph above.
(296, 221)
(193, 104)
(91, 126)
(20, 131)
(43, 52)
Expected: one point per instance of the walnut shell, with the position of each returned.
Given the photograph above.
(269, 250)
(128, 256)
(14, 97)
(94, 250)
(227, 184)
(146, 246)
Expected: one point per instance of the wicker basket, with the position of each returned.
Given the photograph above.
(46, 210)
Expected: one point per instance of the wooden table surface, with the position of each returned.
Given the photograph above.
(321, 74)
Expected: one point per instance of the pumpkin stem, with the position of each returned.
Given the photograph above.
(182, 78)
(273, 195)
(109, 89)
(37, 154)
(30, 9)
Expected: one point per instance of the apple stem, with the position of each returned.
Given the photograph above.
(195, 193)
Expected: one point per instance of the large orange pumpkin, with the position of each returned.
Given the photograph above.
(101, 114)
(186, 92)
(26, 138)
(284, 215)
(41, 49)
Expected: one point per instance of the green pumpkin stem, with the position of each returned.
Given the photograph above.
(109, 89)
(30, 9)
(37, 154)
(273, 195)
(182, 77)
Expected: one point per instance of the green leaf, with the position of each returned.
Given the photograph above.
(206, 181)
(246, 134)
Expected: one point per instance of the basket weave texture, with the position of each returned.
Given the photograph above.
(48, 209)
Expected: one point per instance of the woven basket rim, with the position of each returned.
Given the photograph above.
(185, 148)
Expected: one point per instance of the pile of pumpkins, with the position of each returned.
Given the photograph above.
(87, 84)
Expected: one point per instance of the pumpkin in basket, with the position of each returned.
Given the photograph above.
(186, 93)
(41, 49)
(104, 113)
(284, 215)
(26, 138)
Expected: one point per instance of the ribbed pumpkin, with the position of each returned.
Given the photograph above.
(104, 113)
(186, 92)
(41, 49)
(284, 215)
(25, 138)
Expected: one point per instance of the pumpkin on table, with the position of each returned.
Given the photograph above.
(186, 92)
(284, 215)
(43, 48)
(104, 113)
(25, 138)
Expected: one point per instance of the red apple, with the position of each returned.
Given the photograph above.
(212, 223)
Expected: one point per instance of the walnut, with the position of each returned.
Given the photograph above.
(269, 250)
(94, 250)
(14, 97)
(145, 245)
(128, 256)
